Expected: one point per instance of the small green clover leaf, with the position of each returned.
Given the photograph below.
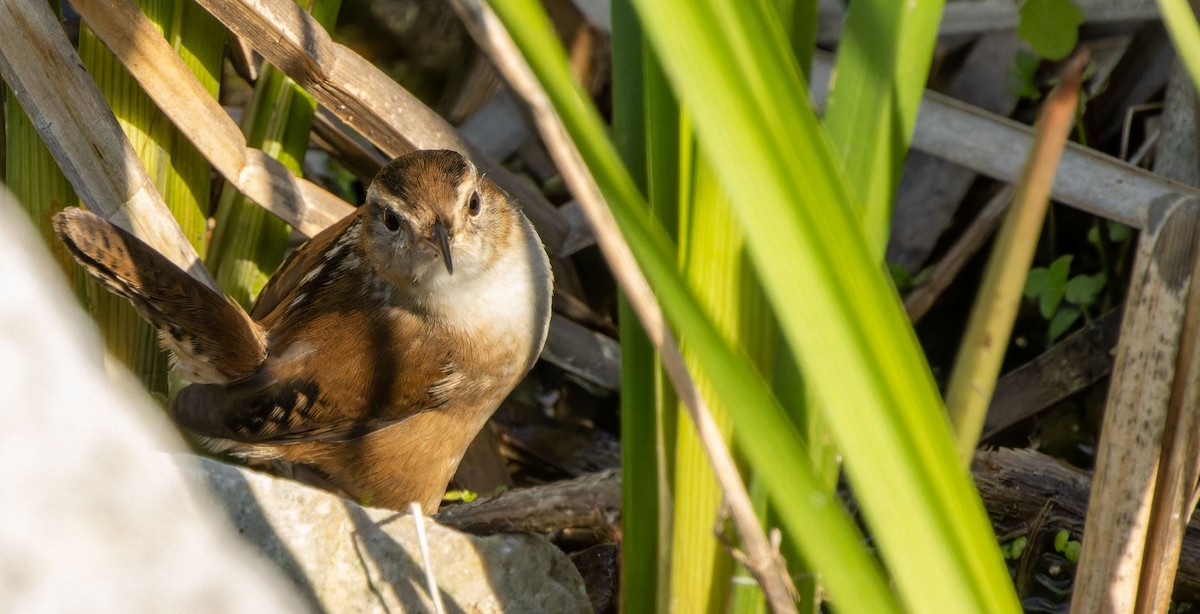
(1067, 546)
(1083, 290)
(1012, 550)
(1117, 233)
(901, 276)
(1023, 76)
(1062, 321)
(1049, 285)
(1051, 27)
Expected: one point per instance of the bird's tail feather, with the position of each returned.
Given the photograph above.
(212, 337)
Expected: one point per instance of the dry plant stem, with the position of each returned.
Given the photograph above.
(366, 99)
(592, 501)
(763, 561)
(1179, 466)
(1141, 396)
(1077, 362)
(994, 146)
(160, 71)
(990, 326)
(69, 112)
(921, 299)
(999, 147)
(362, 160)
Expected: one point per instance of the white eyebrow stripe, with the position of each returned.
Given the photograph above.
(465, 188)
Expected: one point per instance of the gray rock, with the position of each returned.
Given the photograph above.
(347, 558)
(94, 518)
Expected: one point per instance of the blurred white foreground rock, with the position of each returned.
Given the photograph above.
(97, 518)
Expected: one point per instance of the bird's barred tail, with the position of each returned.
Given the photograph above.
(212, 338)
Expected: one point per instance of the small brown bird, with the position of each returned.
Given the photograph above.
(376, 352)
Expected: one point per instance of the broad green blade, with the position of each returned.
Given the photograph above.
(712, 256)
(837, 309)
(771, 442)
(249, 243)
(36, 181)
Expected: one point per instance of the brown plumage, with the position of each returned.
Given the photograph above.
(377, 351)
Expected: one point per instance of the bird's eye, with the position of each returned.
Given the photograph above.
(391, 219)
(473, 205)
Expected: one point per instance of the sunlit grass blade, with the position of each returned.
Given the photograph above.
(711, 254)
(771, 443)
(646, 127)
(663, 186)
(882, 63)
(799, 22)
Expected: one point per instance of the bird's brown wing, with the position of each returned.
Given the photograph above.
(338, 366)
(288, 277)
(352, 374)
(209, 333)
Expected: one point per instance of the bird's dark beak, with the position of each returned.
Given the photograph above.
(441, 236)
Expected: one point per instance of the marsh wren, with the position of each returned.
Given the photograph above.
(375, 353)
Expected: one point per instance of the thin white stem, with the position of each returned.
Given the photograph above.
(422, 540)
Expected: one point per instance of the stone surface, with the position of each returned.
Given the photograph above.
(348, 558)
(95, 519)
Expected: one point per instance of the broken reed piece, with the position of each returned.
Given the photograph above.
(159, 70)
(365, 98)
(45, 74)
(1075, 363)
(1141, 493)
